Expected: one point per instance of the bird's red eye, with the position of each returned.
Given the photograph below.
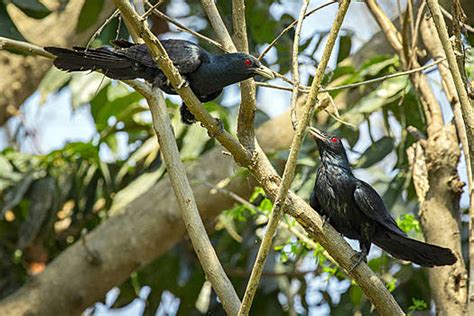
(247, 62)
(334, 139)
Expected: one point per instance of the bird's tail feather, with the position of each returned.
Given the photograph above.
(113, 65)
(421, 253)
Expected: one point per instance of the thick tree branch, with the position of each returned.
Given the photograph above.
(466, 103)
(187, 204)
(434, 164)
(290, 166)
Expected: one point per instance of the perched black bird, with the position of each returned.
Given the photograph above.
(206, 73)
(356, 211)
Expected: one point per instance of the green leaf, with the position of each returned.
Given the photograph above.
(7, 27)
(32, 8)
(85, 86)
(52, 82)
(89, 13)
(376, 152)
(345, 45)
(408, 222)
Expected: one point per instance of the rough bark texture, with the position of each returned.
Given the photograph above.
(439, 188)
(454, 279)
(22, 74)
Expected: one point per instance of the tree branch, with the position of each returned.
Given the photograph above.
(218, 25)
(290, 26)
(290, 166)
(295, 64)
(437, 184)
(20, 75)
(182, 26)
(248, 103)
(201, 243)
(466, 103)
(187, 204)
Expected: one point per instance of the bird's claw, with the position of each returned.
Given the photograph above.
(183, 83)
(220, 128)
(325, 220)
(357, 259)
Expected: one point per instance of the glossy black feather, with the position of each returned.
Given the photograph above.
(206, 73)
(356, 210)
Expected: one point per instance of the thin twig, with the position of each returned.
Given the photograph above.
(151, 9)
(24, 47)
(184, 27)
(429, 102)
(305, 89)
(99, 30)
(295, 64)
(218, 25)
(291, 25)
(466, 104)
(290, 166)
(449, 16)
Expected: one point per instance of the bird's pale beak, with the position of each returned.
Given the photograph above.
(264, 72)
(316, 133)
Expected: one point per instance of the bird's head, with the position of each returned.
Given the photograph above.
(330, 148)
(247, 66)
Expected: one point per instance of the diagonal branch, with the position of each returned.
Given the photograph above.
(291, 25)
(466, 103)
(290, 166)
(295, 64)
(245, 122)
(184, 194)
(430, 104)
(190, 213)
(218, 25)
(181, 26)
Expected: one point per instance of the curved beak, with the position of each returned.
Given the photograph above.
(316, 133)
(264, 72)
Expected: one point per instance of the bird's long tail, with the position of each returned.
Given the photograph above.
(421, 253)
(105, 60)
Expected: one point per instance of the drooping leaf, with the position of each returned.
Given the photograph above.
(52, 81)
(345, 45)
(376, 152)
(32, 8)
(89, 13)
(85, 86)
(7, 27)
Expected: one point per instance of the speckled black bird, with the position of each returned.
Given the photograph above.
(356, 211)
(206, 73)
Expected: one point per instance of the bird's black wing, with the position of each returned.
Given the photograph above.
(371, 204)
(186, 56)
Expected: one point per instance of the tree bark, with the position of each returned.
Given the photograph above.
(22, 74)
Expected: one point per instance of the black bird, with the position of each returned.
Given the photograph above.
(206, 73)
(356, 211)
